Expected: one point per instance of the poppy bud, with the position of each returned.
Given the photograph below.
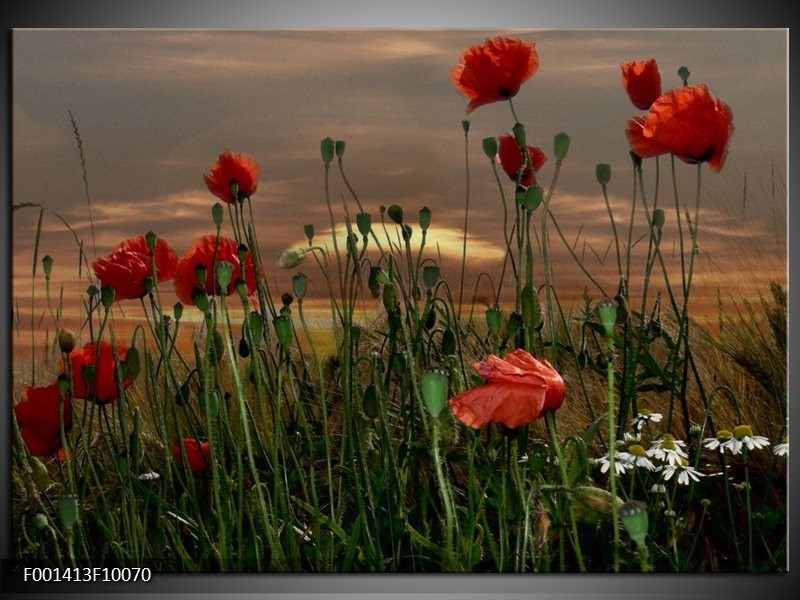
(434, 391)
(148, 283)
(200, 299)
(622, 309)
(339, 148)
(299, 285)
(39, 474)
(395, 213)
(256, 325)
(364, 223)
(636, 159)
(465, 126)
(283, 329)
(533, 198)
(398, 363)
(683, 73)
(92, 290)
(39, 521)
(430, 319)
(107, 296)
(634, 518)
(603, 173)
(695, 430)
(595, 498)
(68, 511)
(607, 310)
(490, 147)
(182, 395)
(406, 232)
(177, 311)
(372, 282)
(63, 383)
(131, 365)
(308, 229)
(658, 218)
(201, 273)
(494, 320)
(519, 133)
(241, 252)
(430, 275)
(390, 302)
(216, 214)
(234, 187)
(224, 274)
(370, 401)
(424, 218)
(515, 321)
(150, 239)
(560, 146)
(47, 265)
(326, 147)
(66, 341)
(286, 298)
(244, 348)
(448, 342)
(382, 276)
(291, 258)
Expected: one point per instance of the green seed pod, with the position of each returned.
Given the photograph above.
(683, 73)
(201, 273)
(47, 265)
(490, 147)
(633, 514)
(494, 320)
(465, 126)
(424, 218)
(326, 148)
(395, 213)
(148, 284)
(177, 311)
(308, 229)
(603, 173)
(92, 291)
(224, 274)
(561, 146)
(364, 223)
(434, 391)
(519, 134)
(283, 329)
(339, 147)
(299, 285)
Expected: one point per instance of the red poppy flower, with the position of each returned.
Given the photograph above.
(520, 389)
(642, 81)
(687, 122)
(511, 160)
(129, 263)
(494, 71)
(240, 169)
(202, 253)
(39, 417)
(199, 454)
(102, 387)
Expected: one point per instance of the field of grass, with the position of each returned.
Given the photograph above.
(242, 431)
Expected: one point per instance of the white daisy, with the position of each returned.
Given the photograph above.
(781, 449)
(724, 441)
(620, 465)
(684, 470)
(744, 434)
(637, 456)
(644, 417)
(668, 450)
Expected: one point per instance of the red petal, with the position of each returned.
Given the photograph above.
(509, 404)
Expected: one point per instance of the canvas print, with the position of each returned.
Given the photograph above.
(372, 301)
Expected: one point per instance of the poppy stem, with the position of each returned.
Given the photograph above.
(551, 425)
(612, 449)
